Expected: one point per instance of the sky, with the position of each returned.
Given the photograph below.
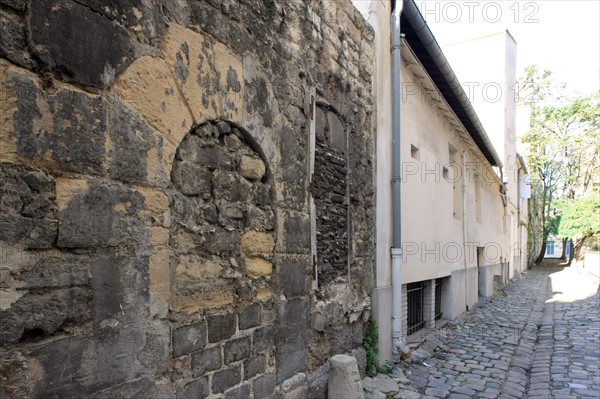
(560, 35)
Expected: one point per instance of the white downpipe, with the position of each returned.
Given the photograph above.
(398, 343)
(396, 250)
(464, 225)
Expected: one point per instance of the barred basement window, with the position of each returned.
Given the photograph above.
(414, 292)
(438, 298)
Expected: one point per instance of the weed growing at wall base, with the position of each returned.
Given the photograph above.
(370, 342)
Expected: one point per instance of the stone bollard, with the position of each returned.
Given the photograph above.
(344, 379)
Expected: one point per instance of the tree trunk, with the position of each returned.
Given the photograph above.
(571, 252)
(540, 257)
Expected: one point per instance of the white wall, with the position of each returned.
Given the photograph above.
(491, 83)
(427, 209)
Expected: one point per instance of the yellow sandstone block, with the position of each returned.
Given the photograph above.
(257, 243)
(258, 267)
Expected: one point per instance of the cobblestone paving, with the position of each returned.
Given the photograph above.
(541, 340)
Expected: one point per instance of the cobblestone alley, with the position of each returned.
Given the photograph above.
(540, 340)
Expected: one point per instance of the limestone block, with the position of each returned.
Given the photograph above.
(134, 149)
(147, 86)
(257, 243)
(344, 379)
(208, 73)
(252, 168)
(258, 267)
(8, 106)
(192, 296)
(192, 267)
(160, 283)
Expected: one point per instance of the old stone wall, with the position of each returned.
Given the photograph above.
(155, 188)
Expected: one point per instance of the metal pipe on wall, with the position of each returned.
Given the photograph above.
(396, 250)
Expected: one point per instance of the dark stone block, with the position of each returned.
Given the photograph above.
(317, 382)
(237, 349)
(206, 360)
(224, 127)
(290, 363)
(264, 386)
(214, 157)
(196, 389)
(290, 350)
(262, 195)
(264, 339)
(210, 20)
(293, 312)
(76, 135)
(189, 339)
(32, 233)
(132, 138)
(243, 391)
(250, 317)
(16, 4)
(221, 242)
(64, 381)
(82, 45)
(290, 145)
(260, 219)
(155, 356)
(361, 359)
(254, 366)
(231, 186)
(27, 195)
(116, 359)
(13, 45)
(192, 179)
(55, 272)
(225, 379)
(297, 234)
(342, 339)
(38, 181)
(37, 315)
(120, 285)
(221, 327)
(91, 219)
(142, 388)
(293, 278)
(144, 18)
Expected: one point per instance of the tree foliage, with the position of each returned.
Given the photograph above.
(563, 150)
(580, 217)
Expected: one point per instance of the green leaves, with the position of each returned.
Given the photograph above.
(581, 217)
(563, 144)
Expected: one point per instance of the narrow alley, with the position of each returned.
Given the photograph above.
(540, 340)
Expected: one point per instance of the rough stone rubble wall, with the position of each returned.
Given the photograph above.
(154, 225)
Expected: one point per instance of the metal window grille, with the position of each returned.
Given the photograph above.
(414, 293)
(438, 298)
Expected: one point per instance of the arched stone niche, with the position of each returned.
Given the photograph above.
(221, 252)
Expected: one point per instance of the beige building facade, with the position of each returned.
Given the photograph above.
(458, 211)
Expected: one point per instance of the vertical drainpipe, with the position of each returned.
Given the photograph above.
(519, 216)
(464, 224)
(397, 342)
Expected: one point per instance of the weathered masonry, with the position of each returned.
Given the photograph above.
(186, 196)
